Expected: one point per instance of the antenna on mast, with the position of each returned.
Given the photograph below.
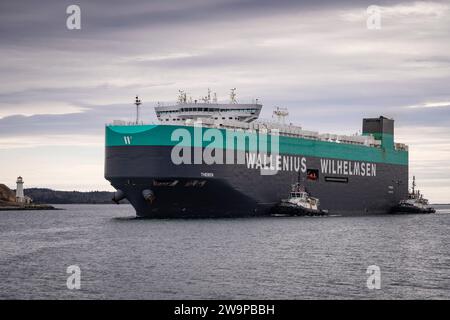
(182, 97)
(233, 96)
(137, 102)
(281, 114)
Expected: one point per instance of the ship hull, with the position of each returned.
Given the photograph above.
(234, 190)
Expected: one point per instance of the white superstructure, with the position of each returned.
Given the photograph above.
(299, 197)
(239, 116)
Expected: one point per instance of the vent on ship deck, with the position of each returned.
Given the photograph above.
(337, 179)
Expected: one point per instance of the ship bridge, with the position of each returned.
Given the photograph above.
(215, 111)
(208, 108)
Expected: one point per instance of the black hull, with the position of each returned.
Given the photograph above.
(215, 199)
(235, 190)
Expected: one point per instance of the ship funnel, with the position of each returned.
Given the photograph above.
(118, 195)
(148, 195)
(381, 129)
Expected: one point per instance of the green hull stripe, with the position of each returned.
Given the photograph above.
(160, 135)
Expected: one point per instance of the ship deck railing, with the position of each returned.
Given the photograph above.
(268, 126)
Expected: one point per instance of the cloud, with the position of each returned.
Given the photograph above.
(417, 9)
(45, 140)
(89, 122)
(431, 105)
(404, 11)
(40, 107)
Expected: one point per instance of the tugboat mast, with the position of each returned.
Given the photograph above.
(414, 185)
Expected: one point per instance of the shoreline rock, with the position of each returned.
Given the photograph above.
(9, 207)
(6, 194)
(8, 203)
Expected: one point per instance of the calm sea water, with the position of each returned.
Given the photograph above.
(121, 257)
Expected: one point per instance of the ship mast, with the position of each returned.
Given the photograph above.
(137, 103)
(414, 185)
(233, 96)
(281, 114)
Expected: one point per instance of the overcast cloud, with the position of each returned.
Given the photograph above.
(59, 86)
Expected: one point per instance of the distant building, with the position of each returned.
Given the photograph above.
(20, 196)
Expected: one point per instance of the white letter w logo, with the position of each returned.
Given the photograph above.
(127, 139)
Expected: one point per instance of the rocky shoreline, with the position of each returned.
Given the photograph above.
(15, 207)
(8, 202)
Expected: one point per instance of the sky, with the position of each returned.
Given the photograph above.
(317, 58)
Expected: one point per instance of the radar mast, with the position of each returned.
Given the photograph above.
(281, 114)
(233, 96)
(137, 103)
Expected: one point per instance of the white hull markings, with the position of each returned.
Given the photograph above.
(348, 168)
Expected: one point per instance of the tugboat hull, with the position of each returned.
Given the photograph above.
(411, 210)
(294, 210)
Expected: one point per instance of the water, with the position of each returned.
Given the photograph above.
(253, 258)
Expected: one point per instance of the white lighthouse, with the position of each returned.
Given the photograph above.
(20, 197)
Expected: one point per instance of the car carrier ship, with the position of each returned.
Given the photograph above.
(209, 159)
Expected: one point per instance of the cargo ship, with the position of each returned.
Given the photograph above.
(203, 158)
